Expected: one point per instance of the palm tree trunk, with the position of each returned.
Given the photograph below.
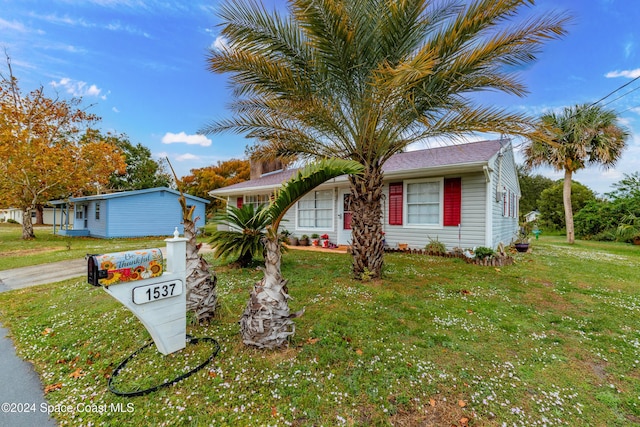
(568, 211)
(202, 292)
(367, 240)
(266, 321)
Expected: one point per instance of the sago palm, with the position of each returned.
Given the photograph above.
(243, 239)
(267, 321)
(363, 79)
(580, 136)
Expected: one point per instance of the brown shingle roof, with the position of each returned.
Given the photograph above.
(458, 154)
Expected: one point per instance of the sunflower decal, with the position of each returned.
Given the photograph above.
(155, 268)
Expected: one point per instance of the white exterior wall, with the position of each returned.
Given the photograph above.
(504, 178)
(472, 220)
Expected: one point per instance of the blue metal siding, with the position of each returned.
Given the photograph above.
(147, 214)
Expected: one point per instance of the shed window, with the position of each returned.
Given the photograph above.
(97, 211)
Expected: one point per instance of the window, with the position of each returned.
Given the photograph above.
(316, 210)
(97, 211)
(423, 202)
(256, 200)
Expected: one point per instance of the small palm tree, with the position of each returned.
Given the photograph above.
(243, 240)
(580, 136)
(267, 321)
(201, 281)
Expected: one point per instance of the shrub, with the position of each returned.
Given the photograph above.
(436, 247)
(482, 252)
(12, 221)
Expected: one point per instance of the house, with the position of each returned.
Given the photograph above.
(463, 195)
(16, 215)
(532, 216)
(149, 212)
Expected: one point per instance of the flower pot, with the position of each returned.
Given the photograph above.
(522, 247)
(293, 241)
(325, 243)
(304, 242)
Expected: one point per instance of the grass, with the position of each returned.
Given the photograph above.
(47, 247)
(551, 340)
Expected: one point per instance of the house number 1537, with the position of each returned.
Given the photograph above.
(157, 291)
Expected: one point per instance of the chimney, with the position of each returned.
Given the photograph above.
(262, 167)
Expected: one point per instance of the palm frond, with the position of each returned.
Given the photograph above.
(306, 180)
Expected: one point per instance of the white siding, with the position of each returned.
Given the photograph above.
(472, 220)
(504, 177)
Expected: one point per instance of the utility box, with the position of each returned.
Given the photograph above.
(128, 266)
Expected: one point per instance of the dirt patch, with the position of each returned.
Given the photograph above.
(26, 252)
(437, 413)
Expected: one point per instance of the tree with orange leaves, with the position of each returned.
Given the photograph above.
(48, 149)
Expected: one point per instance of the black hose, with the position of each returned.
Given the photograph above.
(190, 340)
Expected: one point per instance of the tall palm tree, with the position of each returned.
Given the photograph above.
(580, 136)
(363, 79)
(267, 321)
(243, 239)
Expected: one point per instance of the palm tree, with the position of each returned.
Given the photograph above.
(201, 281)
(580, 136)
(243, 240)
(267, 321)
(363, 79)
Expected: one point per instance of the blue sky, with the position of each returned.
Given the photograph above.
(141, 65)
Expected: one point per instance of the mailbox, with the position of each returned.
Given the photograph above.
(119, 267)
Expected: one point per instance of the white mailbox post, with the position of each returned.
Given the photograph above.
(159, 302)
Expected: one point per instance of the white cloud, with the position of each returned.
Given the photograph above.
(77, 88)
(183, 138)
(186, 157)
(13, 26)
(220, 43)
(115, 110)
(632, 74)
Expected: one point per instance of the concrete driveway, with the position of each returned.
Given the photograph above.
(23, 277)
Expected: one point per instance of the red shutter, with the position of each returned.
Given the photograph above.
(239, 201)
(395, 203)
(452, 201)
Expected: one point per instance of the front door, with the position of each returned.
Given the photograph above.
(344, 227)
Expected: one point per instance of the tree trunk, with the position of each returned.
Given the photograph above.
(266, 321)
(39, 214)
(27, 225)
(568, 210)
(367, 240)
(202, 292)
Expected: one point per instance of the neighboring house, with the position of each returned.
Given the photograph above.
(16, 214)
(150, 212)
(464, 195)
(532, 216)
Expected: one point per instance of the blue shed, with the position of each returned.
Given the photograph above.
(139, 213)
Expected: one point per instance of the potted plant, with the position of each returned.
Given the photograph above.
(315, 239)
(325, 240)
(304, 240)
(289, 238)
(522, 240)
(629, 229)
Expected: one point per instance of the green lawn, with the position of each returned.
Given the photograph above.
(47, 247)
(551, 340)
